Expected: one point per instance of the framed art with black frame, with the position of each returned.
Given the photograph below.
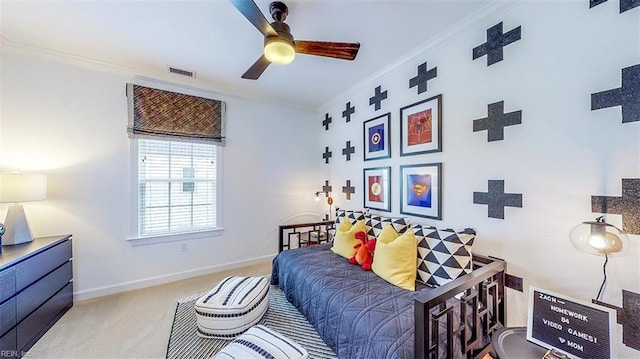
(377, 138)
(421, 127)
(421, 190)
(377, 182)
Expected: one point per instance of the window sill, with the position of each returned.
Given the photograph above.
(142, 241)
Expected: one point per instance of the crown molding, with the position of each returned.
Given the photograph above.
(464, 26)
(159, 75)
(18, 48)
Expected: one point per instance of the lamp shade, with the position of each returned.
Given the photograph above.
(598, 238)
(22, 187)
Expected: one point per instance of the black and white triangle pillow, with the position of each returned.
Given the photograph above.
(443, 254)
(374, 224)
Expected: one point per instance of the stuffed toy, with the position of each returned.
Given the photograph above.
(364, 251)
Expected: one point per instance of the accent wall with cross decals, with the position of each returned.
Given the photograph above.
(532, 113)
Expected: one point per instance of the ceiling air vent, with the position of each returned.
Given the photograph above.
(177, 71)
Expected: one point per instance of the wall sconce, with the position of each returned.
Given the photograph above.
(17, 188)
(329, 202)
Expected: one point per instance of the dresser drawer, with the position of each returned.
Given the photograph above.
(30, 270)
(36, 289)
(39, 292)
(7, 283)
(37, 323)
(7, 316)
(9, 344)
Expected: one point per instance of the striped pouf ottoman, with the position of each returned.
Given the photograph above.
(232, 307)
(262, 342)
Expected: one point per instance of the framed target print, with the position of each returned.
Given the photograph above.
(377, 138)
(377, 184)
(421, 127)
(421, 190)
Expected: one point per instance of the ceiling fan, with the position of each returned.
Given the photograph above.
(279, 45)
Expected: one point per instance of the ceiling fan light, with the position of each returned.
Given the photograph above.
(279, 51)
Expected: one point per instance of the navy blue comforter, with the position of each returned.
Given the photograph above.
(357, 313)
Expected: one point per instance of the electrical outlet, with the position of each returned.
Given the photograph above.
(184, 247)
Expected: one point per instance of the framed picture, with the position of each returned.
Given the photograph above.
(421, 190)
(377, 138)
(421, 127)
(377, 182)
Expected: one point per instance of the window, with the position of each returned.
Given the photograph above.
(177, 187)
(177, 141)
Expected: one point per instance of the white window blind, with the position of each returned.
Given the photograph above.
(176, 187)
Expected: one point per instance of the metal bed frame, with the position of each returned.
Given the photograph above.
(483, 293)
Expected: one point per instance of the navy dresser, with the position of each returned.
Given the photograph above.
(36, 289)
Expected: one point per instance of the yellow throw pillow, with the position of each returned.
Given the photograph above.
(395, 260)
(388, 234)
(345, 239)
(345, 225)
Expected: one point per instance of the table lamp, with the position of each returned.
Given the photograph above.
(599, 238)
(17, 188)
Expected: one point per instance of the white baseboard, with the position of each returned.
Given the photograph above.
(163, 279)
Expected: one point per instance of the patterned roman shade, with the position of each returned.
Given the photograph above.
(175, 116)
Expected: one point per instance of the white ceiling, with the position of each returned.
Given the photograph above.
(215, 41)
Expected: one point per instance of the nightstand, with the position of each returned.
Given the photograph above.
(512, 343)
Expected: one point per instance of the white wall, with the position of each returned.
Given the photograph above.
(69, 122)
(561, 154)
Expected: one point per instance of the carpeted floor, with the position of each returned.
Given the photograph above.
(129, 325)
(281, 317)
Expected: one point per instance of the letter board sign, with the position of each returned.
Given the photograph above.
(570, 326)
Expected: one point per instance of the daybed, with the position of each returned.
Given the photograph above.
(360, 315)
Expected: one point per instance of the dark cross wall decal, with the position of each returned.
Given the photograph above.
(628, 205)
(624, 4)
(327, 188)
(348, 111)
(497, 199)
(348, 189)
(496, 121)
(627, 96)
(348, 150)
(423, 76)
(326, 155)
(496, 40)
(628, 5)
(326, 122)
(378, 97)
(631, 315)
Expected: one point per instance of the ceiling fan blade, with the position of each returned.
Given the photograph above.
(336, 50)
(251, 11)
(258, 67)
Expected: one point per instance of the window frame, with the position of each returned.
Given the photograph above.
(136, 239)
